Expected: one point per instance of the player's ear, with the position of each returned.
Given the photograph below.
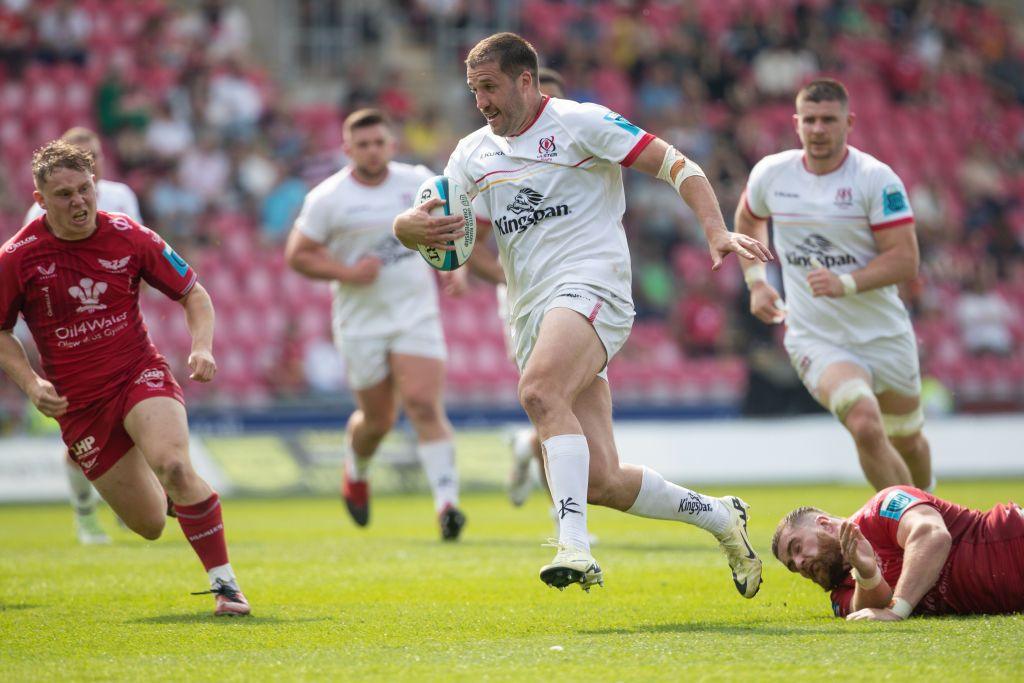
(823, 521)
(37, 196)
(850, 119)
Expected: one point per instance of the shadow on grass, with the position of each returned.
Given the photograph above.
(732, 629)
(205, 617)
(4, 607)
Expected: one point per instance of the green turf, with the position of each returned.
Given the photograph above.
(393, 603)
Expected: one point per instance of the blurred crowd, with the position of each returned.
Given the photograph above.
(220, 154)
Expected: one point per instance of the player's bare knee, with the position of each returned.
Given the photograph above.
(538, 399)
(866, 428)
(378, 424)
(174, 474)
(422, 409)
(150, 528)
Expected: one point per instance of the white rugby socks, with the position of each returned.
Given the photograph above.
(356, 466)
(84, 497)
(438, 458)
(568, 466)
(660, 499)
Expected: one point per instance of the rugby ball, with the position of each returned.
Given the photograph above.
(456, 202)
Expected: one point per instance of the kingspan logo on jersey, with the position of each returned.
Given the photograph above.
(528, 211)
(821, 248)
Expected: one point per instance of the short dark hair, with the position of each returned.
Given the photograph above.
(824, 90)
(59, 154)
(794, 518)
(364, 118)
(546, 76)
(512, 52)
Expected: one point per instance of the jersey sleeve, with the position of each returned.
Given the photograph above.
(755, 195)
(842, 598)
(12, 294)
(607, 135)
(313, 220)
(879, 520)
(456, 170)
(888, 206)
(162, 267)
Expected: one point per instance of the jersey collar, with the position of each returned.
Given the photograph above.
(803, 160)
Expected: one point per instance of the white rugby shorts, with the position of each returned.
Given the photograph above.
(891, 362)
(612, 319)
(366, 359)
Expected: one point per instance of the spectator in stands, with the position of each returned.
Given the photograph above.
(64, 32)
(985, 318)
(167, 137)
(205, 169)
(234, 103)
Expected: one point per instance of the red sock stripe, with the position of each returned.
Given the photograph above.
(198, 510)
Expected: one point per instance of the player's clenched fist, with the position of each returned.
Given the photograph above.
(416, 226)
(45, 397)
(766, 304)
(824, 282)
(363, 272)
(202, 365)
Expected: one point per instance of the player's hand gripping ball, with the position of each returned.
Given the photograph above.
(456, 202)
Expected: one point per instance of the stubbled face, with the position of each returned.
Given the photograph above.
(69, 197)
(370, 148)
(823, 128)
(814, 553)
(500, 98)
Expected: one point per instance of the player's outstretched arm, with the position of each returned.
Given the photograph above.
(483, 262)
(15, 365)
(199, 317)
(897, 261)
(416, 226)
(926, 542)
(662, 161)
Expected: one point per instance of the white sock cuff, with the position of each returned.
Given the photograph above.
(648, 481)
(439, 446)
(564, 445)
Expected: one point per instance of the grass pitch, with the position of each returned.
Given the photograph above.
(391, 602)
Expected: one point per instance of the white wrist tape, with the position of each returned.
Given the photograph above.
(900, 607)
(755, 273)
(867, 584)
(849, 284)
(690, 168)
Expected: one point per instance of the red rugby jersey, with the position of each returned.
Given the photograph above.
(981, 574)
(80, 299)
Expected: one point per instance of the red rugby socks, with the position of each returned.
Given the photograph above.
(204, 528)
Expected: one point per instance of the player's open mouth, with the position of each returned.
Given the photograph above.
(79, 216)
(490, 116)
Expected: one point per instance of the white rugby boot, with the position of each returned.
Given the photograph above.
(745, 564)
(88, 529)
(520, 484)
(571, 566)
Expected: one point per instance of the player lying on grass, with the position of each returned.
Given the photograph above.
(74, 274)
(907, 552)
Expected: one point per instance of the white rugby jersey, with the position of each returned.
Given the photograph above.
(553, 194)
(111, 196)
(832, 217)
(354, 220)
